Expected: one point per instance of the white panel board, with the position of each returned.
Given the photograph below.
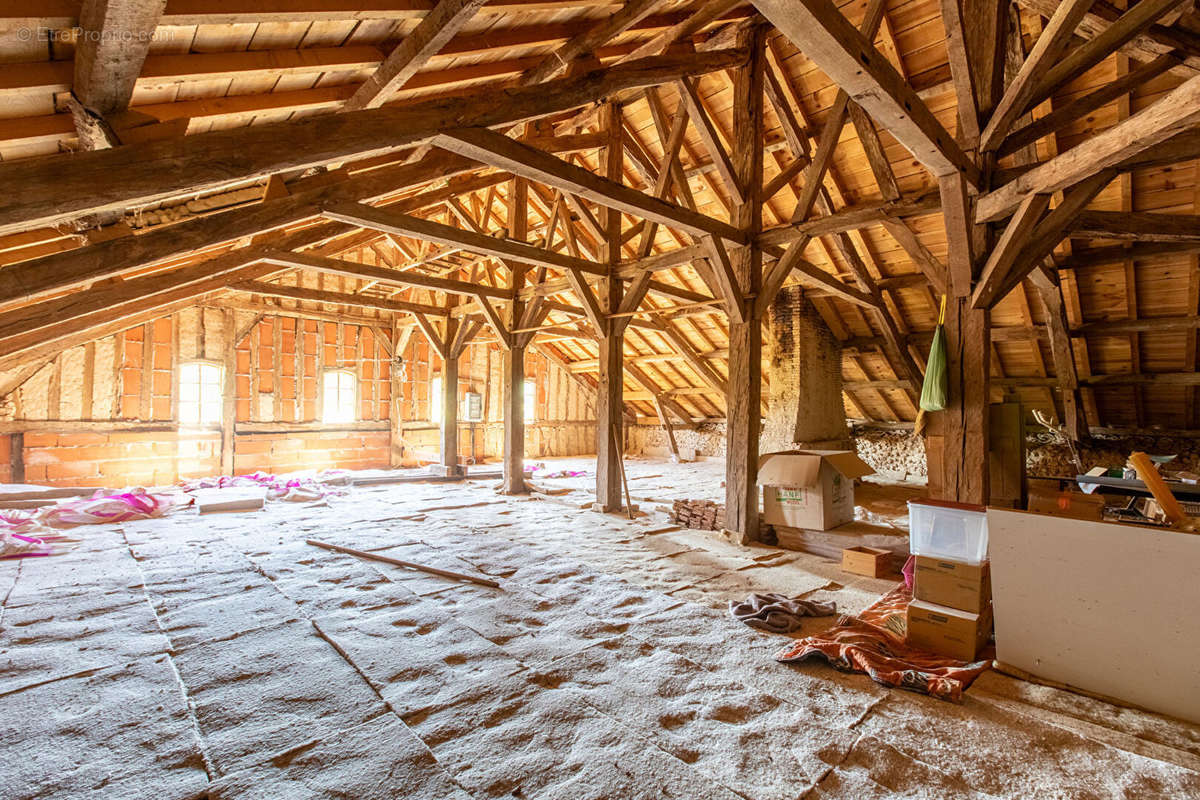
(1111, 609)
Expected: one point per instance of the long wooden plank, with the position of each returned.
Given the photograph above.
(115, 179)
(708, 135)
(1050, 293)
(1063, 115)
(1078, 61)
(425, 40)
(1003, 256)
(703, 13)
(384, 275)
(1056, 35)
(264, 289)
(814, 173)
(1042, 240)
(1137, 226)
(78, 267)
(1173, 113)
(500, 151)
(115, 38)
(445, 573)
(106, 321)
(587, 42)
(843, 53)
(29, 320)
(389, 221)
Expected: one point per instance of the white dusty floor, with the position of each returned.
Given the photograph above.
(221, 656)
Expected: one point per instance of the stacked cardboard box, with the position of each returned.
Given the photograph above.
(951, 612)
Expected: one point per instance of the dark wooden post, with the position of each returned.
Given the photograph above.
(513, 376)
(744, 395)
(610, 394)
(449, 400)
(514, 420)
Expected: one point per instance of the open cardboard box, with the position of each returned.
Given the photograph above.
(810, 488)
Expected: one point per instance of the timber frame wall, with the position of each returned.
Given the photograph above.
(106, 413)
(622, 186)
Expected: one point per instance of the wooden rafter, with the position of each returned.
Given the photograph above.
(430, 35)
(825, 36)
(160, 168)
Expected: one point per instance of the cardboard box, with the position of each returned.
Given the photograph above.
(1070, 504)
(949, 631)
(967, 587)
(810, 488)
(873, 562)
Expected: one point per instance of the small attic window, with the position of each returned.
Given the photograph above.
(200, 393)
(339, 397)
(530, 401)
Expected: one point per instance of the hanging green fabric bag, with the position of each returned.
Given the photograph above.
(935, 385)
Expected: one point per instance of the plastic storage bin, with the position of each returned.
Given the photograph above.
(947, 530)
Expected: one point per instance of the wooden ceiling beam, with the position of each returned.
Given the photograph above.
(1064, 115)
(115, 38)
(852, 218)
(498, 150)
(264, 289)
(126, 176)
(1043, 238)
(1175, 112)
(383, 275)
(709, 137)
(76, 268)
(389, 221)
(1062, 71)
(818, 28)
(1145, 46)
(39, 319)
(587, 42)
(1055, 37)
(700, 15)
(431, 34)
(1099, 256)
(1136, 226)
(95, 323)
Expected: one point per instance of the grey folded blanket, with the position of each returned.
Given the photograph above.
(775, 613)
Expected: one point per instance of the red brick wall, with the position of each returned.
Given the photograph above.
(127, 458)
(289, 452)
(119, 458)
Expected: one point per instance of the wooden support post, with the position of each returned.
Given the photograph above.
(610, 392)
(449, 399)
(16, 457)
(399, 343)
(743, 398)
(513, 376)
(958, 457)
(229, 392)
(965, 421)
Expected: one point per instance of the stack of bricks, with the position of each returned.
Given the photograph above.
(703, 515)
